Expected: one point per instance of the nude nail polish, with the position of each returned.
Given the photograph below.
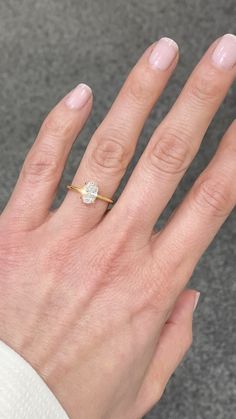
(197, 296)
(78, 98)
(224, 55)
(163, 54)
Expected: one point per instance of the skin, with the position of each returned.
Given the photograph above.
(91, 298)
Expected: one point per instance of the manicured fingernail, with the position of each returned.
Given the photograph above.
(224, 55)
(163, 53)
(196, 300)
(78, 97)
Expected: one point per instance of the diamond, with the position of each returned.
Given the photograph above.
(90, 191)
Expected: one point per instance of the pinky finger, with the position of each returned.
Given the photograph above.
(175, 340)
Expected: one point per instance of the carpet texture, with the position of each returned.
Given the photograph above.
(46, 48)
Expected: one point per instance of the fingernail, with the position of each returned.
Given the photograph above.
(224, 55)
(78, 97)
(196, 300)
(163, 54)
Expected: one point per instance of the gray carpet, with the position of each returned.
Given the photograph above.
(46, 48)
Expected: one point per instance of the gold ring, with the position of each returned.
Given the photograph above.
(89, 193)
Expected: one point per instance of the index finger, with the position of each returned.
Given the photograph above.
(201, 214)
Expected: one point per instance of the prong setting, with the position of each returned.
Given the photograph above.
(89, 192)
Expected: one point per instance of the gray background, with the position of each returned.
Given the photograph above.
(46, 48)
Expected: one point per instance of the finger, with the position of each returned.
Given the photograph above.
(112, 146)
(34, 192)
(174, 342)
(203, 211)
(176, 141)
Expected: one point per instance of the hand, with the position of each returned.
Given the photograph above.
(95, 300)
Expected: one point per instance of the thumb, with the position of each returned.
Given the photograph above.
(174, 342)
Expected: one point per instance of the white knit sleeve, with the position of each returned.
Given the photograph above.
(23, 393)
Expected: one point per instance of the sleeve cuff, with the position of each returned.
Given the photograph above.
(23, 393)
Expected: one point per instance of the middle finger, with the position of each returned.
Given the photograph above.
(176, 141)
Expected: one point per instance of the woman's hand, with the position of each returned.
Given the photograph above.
(92, 299)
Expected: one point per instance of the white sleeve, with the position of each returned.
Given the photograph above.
(23, 393)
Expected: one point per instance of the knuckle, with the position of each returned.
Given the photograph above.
(172, 154)
(140, 89)
(205, 87)
(40, 165)
(110, 152)
(56, 126)
(212, 196)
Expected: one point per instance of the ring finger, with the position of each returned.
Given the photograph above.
(112, 145)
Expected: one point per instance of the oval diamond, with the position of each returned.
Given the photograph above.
(90, 191)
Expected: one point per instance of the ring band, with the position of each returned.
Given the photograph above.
(89, 193)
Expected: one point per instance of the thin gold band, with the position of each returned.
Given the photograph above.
(80, 189)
